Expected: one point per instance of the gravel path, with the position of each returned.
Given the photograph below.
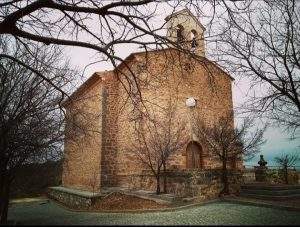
(218, 213)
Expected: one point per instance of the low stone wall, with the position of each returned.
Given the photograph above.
(272, 176)
(248, 175)
(73, 198)
(205, 184)
(197, 185)
(202, 184)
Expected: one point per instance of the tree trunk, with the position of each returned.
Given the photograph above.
(4, 198)
(158, 184)
(286, 175)
(165, 178)
(225, 190)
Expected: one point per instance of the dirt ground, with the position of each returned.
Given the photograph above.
(119, 201)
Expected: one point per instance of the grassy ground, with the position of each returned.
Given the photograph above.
(218, 213)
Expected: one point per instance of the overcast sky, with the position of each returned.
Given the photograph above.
(277, 141)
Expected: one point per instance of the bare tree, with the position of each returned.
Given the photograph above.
(157, 138)
(94, 24)
(229, 143)
(93, 182)
(98, 25)
(31, 121)
(287, 161)
(259, 41)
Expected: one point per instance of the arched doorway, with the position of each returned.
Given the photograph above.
(194, 156)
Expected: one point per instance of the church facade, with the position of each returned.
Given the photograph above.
(102, 112)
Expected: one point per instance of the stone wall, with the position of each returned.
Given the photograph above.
(83, 142)
(73, 198)
(273, 176)
(109, 131)
(248, 175)
(277, 176)
(202, 184)
(104, 157)
(160, 81)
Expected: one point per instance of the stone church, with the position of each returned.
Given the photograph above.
(101, 113)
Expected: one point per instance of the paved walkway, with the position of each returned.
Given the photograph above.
(292, 204)
(218, 213)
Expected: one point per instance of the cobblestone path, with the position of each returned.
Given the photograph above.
(218, 213)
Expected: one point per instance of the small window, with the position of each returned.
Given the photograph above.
(194, 37)
(179, 31)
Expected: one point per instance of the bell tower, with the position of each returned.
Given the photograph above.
(186, 30)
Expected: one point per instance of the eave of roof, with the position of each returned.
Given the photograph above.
(91, 80)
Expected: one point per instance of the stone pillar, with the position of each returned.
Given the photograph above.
(260, 173)
(261, 170)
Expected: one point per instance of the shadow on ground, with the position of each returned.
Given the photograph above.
(45, 212)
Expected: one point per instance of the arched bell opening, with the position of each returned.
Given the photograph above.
(194, 37)
(179, 33)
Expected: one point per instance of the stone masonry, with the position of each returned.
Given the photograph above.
(101, 112)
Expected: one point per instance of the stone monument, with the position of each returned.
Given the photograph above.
(261, 170)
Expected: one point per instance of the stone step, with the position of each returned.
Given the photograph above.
(161, 198)
(269, 187)
(271, 192)
(286, 205)
(166, 197)
(270, 197)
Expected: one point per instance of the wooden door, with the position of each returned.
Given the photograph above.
(194, 156)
